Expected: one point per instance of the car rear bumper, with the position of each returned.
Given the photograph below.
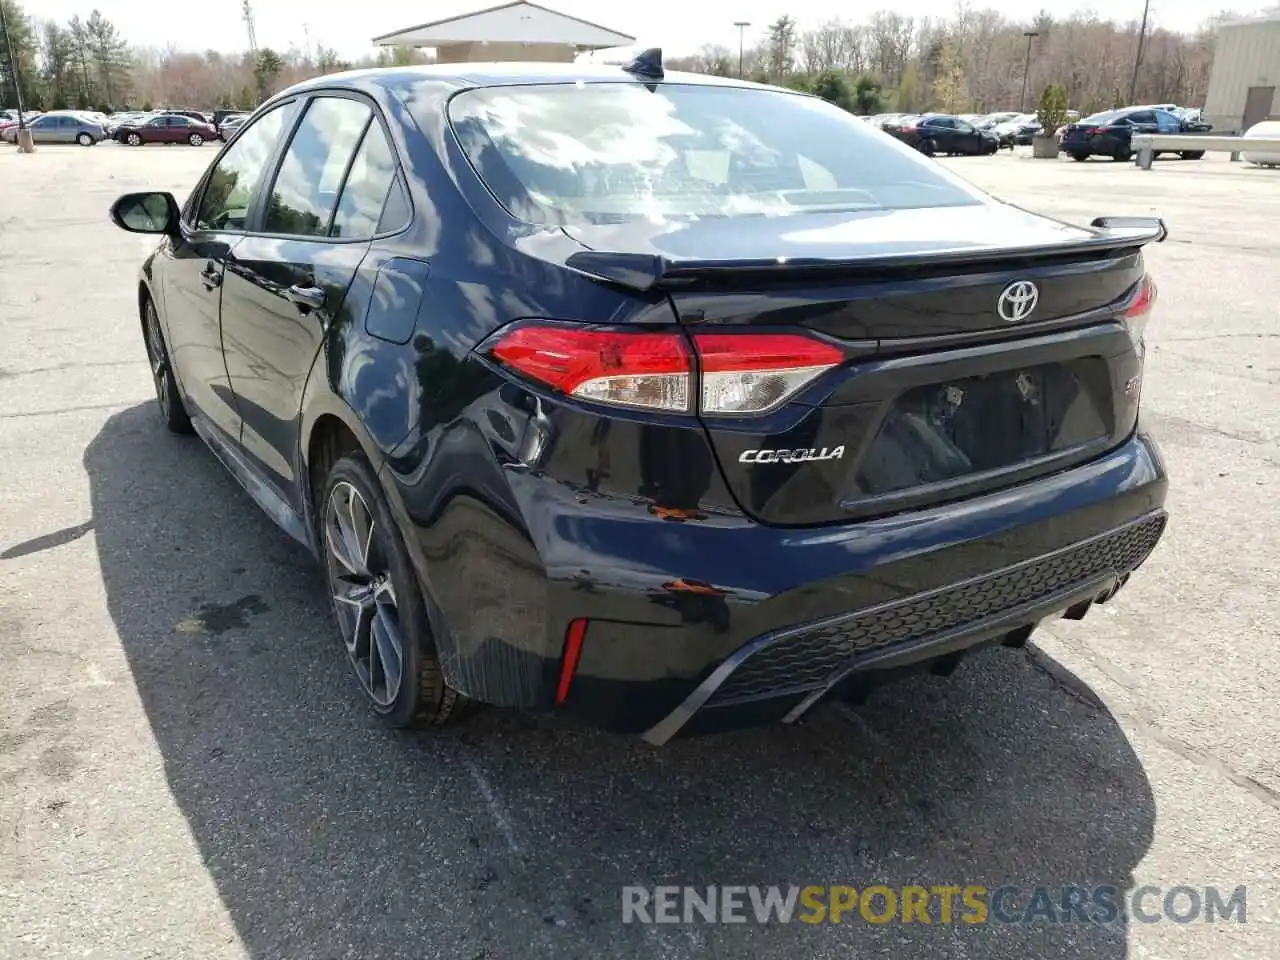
(793, 669)
(718, 622)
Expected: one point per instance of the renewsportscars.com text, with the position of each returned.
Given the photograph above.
(942, 904)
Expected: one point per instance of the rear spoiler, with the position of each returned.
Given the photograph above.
(643, 271)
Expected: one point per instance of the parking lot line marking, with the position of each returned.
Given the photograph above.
(495, 808)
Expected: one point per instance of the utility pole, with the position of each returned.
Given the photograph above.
(247, 10)
(25, 142)
(1026, 68)
(1137, 58)
(741, 25)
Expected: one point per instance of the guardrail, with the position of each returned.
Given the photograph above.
(1148, 145)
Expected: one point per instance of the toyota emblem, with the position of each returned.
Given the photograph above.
(1017, 300)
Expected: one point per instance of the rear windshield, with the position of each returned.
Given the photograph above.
(1105, 117)
(617, 152)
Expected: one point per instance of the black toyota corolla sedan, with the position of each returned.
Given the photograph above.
(665, 402)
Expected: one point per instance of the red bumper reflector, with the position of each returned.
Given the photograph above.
(573, 638)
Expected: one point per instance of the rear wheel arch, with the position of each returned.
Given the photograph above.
(331, 430)
(329, 440)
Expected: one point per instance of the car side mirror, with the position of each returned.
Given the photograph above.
(146, 213)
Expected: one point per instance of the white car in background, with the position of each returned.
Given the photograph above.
(1270, 129)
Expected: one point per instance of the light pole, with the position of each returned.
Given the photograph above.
(1137, 57)
(742, 26)
(25, 143)
(1026, 68)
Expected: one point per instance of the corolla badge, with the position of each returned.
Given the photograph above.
(1017, 300)
(792, 456)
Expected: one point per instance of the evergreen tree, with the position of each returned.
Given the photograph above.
(21, 38)
(57, 50)
(781, 46)
(113, 63)
(265, 72)
(833, 86)
(81, 58)
(868, 98)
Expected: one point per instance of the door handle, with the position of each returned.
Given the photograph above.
(211, 276)
(305, 298)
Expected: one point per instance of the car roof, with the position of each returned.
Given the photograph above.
(465, 76)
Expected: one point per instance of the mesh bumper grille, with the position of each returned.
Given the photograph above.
(807, 660)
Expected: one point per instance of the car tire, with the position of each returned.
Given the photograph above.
(84, 140)
(169, 399)
(1079, 157)
(377, 604)
(1122, 155)
(928, 148)
(133, 140)
(1191, 154)
(196, 140)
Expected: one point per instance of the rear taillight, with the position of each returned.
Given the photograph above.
(641, 369)
(1138, 311)
(753, 373)
(738, 373)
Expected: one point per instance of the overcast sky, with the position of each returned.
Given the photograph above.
(679, 26)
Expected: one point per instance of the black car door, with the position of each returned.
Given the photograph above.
(967, 140)
(1140, 121)
(192, 273)
(946, 134)
(286, 283)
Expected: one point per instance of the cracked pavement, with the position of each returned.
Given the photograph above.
(185, 770)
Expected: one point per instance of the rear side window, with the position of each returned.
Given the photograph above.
(229, 191)
(365, 192)
(613, 152)
(305, 192)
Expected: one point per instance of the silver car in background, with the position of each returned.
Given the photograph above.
(60, 128)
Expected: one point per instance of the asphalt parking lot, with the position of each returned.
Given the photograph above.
(186, 771)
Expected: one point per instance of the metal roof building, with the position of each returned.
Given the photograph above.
(512, 31)
(1245, 78)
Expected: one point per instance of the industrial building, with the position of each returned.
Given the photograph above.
(512, 31)
(1245, 79)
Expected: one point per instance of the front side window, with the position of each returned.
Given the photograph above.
(229, 192)
(614, 152)
(305, 191)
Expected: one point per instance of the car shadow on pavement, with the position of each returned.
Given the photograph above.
(512, 837)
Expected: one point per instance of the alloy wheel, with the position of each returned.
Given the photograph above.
(134, 140)
(196, 140)
(159, 359)
(363, 594)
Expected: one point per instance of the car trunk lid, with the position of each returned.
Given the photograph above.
(989, 353)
